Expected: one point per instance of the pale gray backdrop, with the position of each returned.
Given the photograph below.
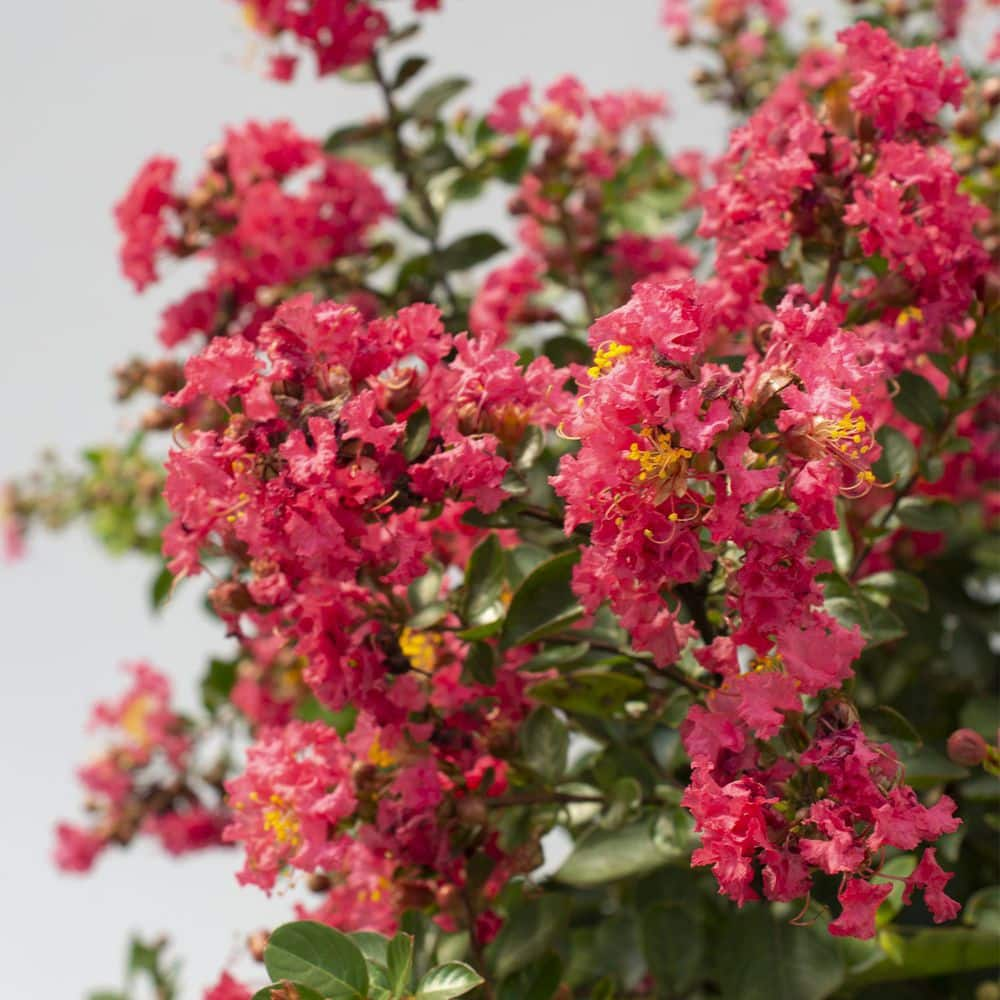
(89, 91)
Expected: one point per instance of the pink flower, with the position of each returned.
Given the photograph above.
(860, 901)
(929, 876)
(228, 988)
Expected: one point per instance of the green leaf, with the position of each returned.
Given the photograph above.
(528, 932)
(919, 401)
(926, 953)
(983, 909)
(898, 460)
(418, 431)
(836, 547)
(878, 624)
(540, 981)
(555, 656)
(927, 768)
(521, 560)
(904, 588)
(217, 683)
(427, 588)
(922, 514)
(400, 963)
(160, 589)
(483, 583)
(453, 979)
(468, 251)
(429, 102)
(673, 940)
(601, 856)
(545, 741)
(761, 957)
(590, 692)
(478, 667)
(428, 616)
(368, 144)
(408, 69)
(544, 603)
(529, 448)
(287, 991)
(375, 947)
(318, 957)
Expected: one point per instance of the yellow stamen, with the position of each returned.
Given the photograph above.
(605, 358)
(420, 648)
(282, 822)
(661, 461)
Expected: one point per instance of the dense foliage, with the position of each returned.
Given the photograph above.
(658, 543)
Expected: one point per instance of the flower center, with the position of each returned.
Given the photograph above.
(281, 820)
(420, 648)
(606, 356)
(660, 460)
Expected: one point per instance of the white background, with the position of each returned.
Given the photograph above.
(90, 90)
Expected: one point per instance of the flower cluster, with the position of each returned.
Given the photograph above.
(144, 781)
(318, 486)
(269, 210)
(578, 146)
(340, 33)
(686, 469)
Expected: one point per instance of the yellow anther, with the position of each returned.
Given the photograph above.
(661, 461)
(135, 718)
(282, 822)
(770, 663)
(420, 648)
(910, 312)
(379, 756)
(606, 356)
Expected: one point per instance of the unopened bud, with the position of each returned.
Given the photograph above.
(256, 944)
(967, 122)
(472, 811)
(230, 598)
(967, 747)
(318, 882)
(991, 91)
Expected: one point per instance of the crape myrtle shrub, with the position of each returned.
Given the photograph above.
(665, 527)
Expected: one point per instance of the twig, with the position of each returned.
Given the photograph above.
(414, 182)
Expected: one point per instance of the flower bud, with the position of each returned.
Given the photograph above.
(967, 747)
(319, 882)
(256, 943)
(472, 811)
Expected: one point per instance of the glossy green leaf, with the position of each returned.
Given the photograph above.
(418, 431)
(468, 251)
(430, 101)
(528, 932)
(673, 940)
(898, 460)
(921, 954)
(287, 991)
(399, 963)
(375, 947)
(602, 856)
(590, 692)
(483, 582)
(408, 69)
(919, 401)
(318, 957)
(545, 741)
(544, 603)
(762, 957)
(923, 514)
(453, 979)
(896, 585)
